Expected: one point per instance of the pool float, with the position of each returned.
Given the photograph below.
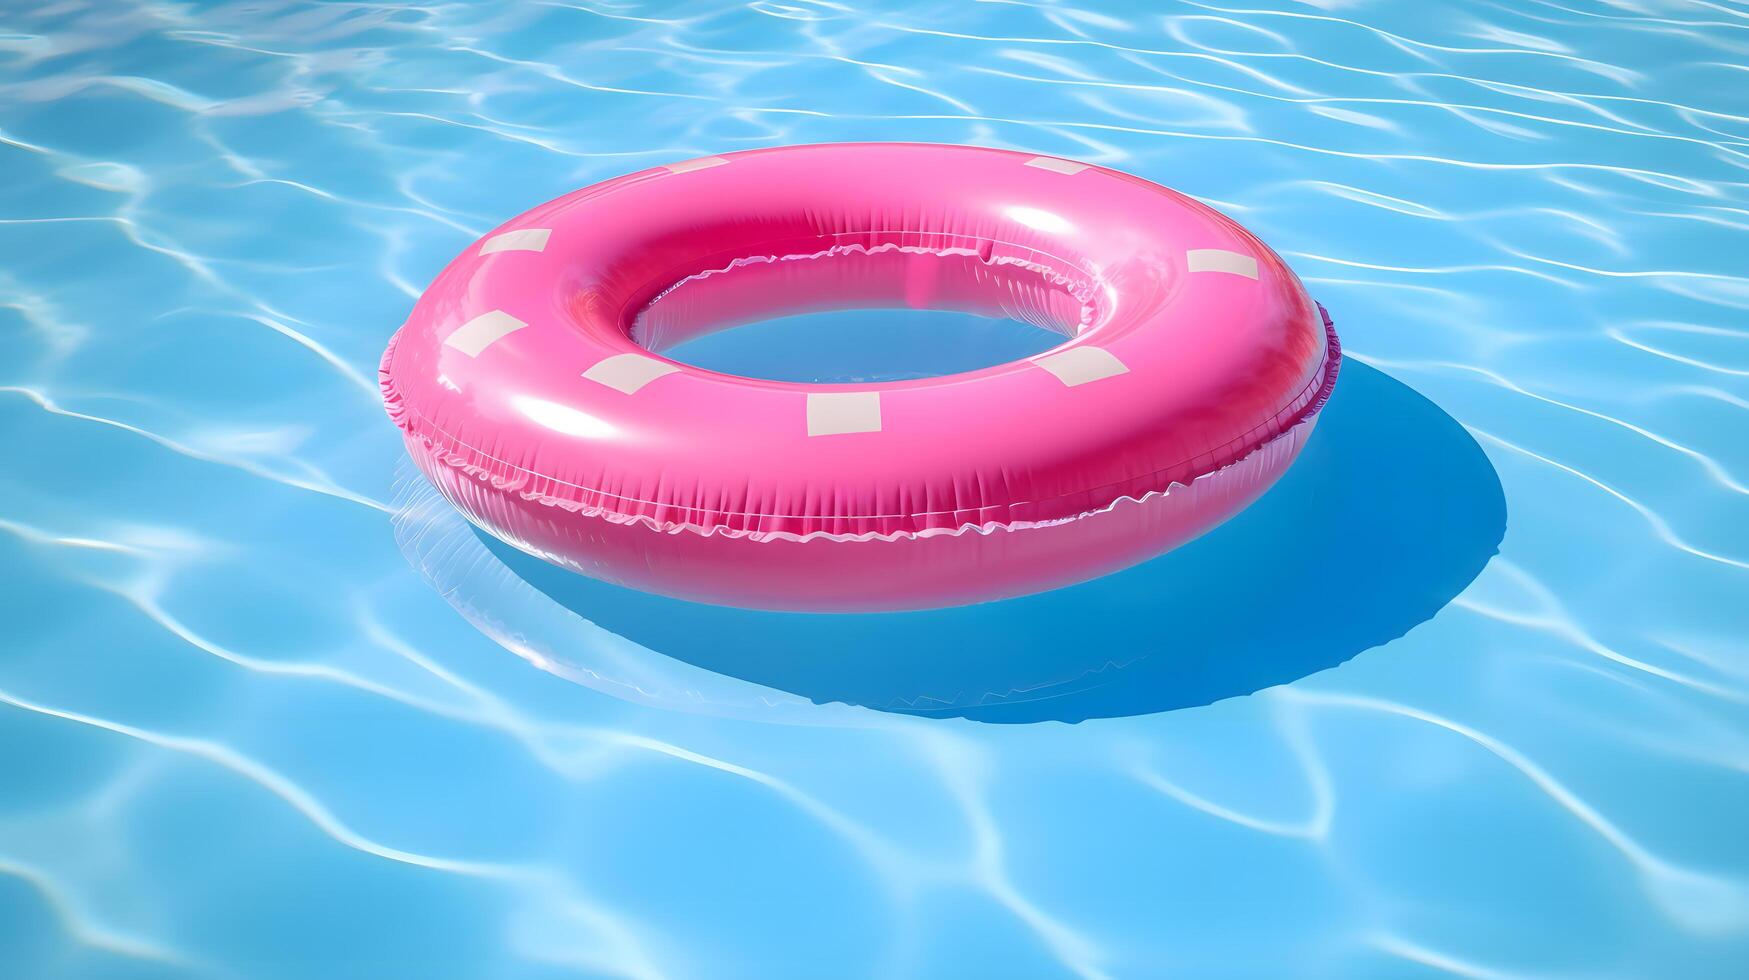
(531, 390)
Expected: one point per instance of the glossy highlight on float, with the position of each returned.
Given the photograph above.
(531, 389)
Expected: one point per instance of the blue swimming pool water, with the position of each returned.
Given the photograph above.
(1464, 696)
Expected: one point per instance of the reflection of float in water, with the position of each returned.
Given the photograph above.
(1391, 511)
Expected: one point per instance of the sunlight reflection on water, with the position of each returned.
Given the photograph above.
(257, 717)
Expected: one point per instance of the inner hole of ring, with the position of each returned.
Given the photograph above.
(853, 314)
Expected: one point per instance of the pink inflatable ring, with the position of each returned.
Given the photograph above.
(531, 389)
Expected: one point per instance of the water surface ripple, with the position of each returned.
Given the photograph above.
(266, 712)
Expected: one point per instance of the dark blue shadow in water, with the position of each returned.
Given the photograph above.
(1391, 510)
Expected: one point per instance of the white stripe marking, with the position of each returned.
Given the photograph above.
(521, 240)
(839, 413)
(1221, 260)
(702, 163)
(1079, 365)
(482, 332)
(628, 372)
(1057, 166)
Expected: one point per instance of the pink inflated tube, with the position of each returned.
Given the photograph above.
(531, 389)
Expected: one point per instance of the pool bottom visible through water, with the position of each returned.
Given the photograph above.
(864, 346)
(1466, 693)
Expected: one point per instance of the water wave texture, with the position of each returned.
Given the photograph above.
(257, 717)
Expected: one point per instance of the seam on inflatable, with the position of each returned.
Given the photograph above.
(487, 474)
(400, 413)
(1083, 291)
